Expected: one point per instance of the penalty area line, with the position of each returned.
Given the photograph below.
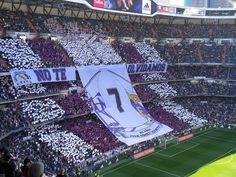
(220, 139)
(182, 150)
(157, 169)
(210, 162)
(157, 152)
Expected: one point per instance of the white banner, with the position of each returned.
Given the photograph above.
(146, 7)
(146, 68)
(40, 75)
(117, 105)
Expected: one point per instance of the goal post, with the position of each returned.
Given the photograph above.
(165, 142)
(171, 141)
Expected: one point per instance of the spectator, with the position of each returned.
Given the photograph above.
(36, 169)
(25, 167)
(62, 174)
(8, 169)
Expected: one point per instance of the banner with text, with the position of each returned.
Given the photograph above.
(117, 105)
(146, 68)
(40, 75)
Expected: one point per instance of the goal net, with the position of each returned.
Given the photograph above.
(165, 142)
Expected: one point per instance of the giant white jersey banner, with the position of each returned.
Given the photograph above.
(117, 105)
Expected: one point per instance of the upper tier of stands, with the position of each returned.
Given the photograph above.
(26, 22)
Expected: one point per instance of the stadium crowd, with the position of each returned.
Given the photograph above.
(197, 52)
(38, 111)
(94, 51)
(74, 104)
(51, 53)
(19, 147)
(75, 141)
(166, 118)
(72, 147)
(93, 131)
(218, 111)
(11, 119)
(19, 55)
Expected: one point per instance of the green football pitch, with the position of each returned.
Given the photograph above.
(208, 154)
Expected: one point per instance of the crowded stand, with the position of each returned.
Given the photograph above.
(38, 111)
(186, 72)
(95, 51)
(171, 107)
(204, 88)
(54, 26)
(56, 87)
(218, 111)
(20, 147)
(50, 52)
(9, 92)
(184, 88)
(127, 52)
(93, 131)
(37, 23)
(145, 93)
(155, 91)
(148, 52)
(15, 21)
(197, 53)
(163, 89)
(62, 131)
(19, 55)
(72, 147)
(73, 104)
(3, 65)
(73, 26)
(166, 118)
(183, 114)
(11, 119)
(153, 77)
(232, 74)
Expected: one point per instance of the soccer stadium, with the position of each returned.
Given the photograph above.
(117, 88)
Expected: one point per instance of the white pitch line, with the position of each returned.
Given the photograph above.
(185, 150)
(220, 139)
(115, 169)
(210, 162)
(206, 132)
(222, 163)
(169, 156)
(157, 169)
(158, 152)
